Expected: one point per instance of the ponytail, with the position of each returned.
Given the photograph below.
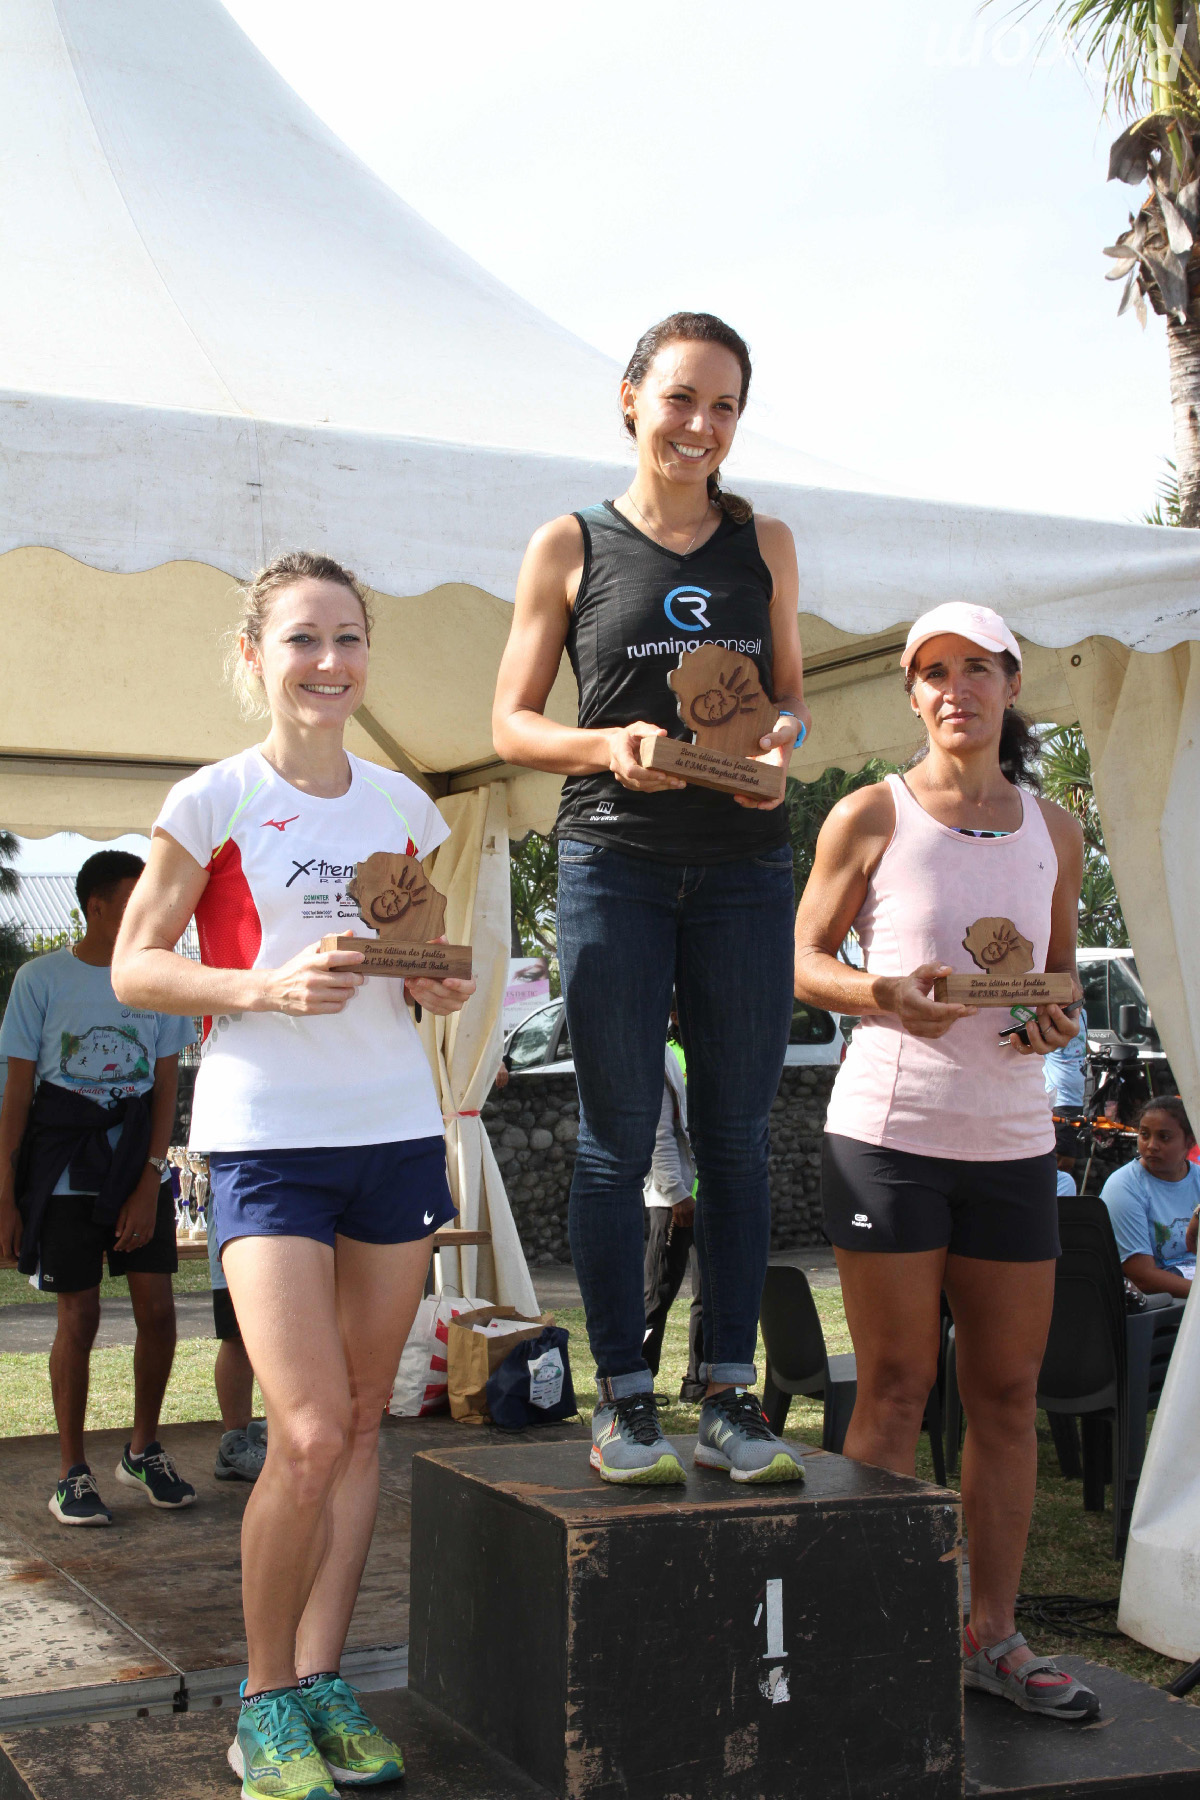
(739, 509)
(1019, 751)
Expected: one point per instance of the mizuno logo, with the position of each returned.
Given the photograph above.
(281, 824)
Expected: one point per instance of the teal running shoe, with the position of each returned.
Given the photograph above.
(274, 1753)
(356, 1751)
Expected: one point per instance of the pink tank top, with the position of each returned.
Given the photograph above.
(964, 1096)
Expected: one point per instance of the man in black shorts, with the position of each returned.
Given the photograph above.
(86, 1120)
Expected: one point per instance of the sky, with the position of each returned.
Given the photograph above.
(905, 218)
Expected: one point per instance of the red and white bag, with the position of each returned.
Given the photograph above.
(420, 1384)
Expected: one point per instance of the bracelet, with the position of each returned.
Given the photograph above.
(785, 712)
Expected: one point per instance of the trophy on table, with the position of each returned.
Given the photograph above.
(200, 1185)
(1007, 976)
(177, 1158)
(720, 700)
(394, 894)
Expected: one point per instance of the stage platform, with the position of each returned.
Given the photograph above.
(99, 1627)
(1148, 1745)
(145, 1612)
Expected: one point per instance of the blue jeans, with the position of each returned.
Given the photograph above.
(720, 935)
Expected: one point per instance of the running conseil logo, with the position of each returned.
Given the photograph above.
(687, 608)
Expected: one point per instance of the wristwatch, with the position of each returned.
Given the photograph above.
(161, 1164)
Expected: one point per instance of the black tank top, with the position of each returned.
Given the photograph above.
(639, 608)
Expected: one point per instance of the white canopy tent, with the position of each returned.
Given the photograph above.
(221, 336)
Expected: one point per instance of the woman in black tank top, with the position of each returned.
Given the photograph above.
(664, 886)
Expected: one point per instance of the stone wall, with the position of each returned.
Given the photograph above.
(533, 1124)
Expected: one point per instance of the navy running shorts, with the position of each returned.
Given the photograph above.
(374, 1193)
(892, 1200)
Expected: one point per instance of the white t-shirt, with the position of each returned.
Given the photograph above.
(278, 863)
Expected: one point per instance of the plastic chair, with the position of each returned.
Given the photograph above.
(1102, 1366)
(798, 1363)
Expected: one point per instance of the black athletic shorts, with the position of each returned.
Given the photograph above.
(225, 1323)
(73, 1247)
(890, 1200)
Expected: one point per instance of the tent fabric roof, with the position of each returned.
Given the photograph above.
(223, 336)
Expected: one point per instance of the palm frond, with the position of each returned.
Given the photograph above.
(1145, 50)
(1166, 509)
(533, 880)
(10, 846)
(1101, 921)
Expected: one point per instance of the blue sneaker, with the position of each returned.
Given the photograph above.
(734, 1436)
(76, 1500)
(356, 1752)
(155, 1475)
(274, 1754)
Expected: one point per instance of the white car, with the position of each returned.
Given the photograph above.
(541, 1043)
(1110, 984)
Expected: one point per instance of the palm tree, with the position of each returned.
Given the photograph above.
(1066, 770)
(533, 879)
(10, 881)
(1149, 54)
(809, 803)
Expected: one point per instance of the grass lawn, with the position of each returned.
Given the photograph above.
(1070, 1551)
(25, 1408)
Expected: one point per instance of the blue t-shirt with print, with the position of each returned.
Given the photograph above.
(63, 1016)
(1065, 1070)
(1150, 1217)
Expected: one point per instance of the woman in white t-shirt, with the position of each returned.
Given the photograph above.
(316, 1107)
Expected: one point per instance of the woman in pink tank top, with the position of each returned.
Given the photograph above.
(938, 1171)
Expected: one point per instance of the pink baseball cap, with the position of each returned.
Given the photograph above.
(978, 623)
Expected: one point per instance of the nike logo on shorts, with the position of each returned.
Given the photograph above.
(429, 1218)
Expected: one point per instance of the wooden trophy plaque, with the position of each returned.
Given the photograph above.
(394, 894)
(720, 699)
(1008, 977)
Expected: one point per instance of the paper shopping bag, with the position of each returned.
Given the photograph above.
(478, 1343)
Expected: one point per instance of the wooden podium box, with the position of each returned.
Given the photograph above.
(707, 1642)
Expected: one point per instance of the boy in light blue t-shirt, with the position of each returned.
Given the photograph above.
(74, 1189)
(1153, 1201)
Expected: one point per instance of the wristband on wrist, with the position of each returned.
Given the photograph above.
(785, 712)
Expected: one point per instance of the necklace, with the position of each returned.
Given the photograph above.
(650, 529)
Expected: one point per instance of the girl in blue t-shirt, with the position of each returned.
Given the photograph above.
(1152, 1202)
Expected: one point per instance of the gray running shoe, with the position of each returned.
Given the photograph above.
(239, 1457)
(734, 1435)
(628, 1443)
(256, 1431)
